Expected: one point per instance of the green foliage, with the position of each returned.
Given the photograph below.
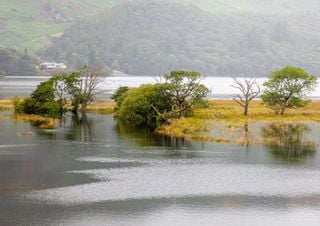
(41, 102)
(287, 88)
(149, 37)
(154, 104)
(50, 97)
(18, 104)
(119, 95)
(138, 107)
(15, 63)
(185, 89)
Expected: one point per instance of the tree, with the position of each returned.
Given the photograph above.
(287, 88)
(249, 89)
(144, 105)
(41, 102)
(119, 95)
(82, 86)
(60, 90)
(185, 89)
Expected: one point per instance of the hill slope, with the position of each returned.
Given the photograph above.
(257, 6)
(149, 37)
(28, 24)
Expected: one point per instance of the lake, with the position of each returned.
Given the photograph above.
(100, 172)
(23, 85)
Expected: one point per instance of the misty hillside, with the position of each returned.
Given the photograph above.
(30, 23)
(256, 6)
(14, 63)
(148, 37)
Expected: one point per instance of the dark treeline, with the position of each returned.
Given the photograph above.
(14, 63)
(150, 37)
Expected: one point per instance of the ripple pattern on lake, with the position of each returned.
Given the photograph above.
(185, 180)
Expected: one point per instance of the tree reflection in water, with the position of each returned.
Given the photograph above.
(146, 137)
(288, 141)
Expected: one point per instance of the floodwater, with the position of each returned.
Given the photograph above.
(100, 172)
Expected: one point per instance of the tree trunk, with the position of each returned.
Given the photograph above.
(283, 108)
(83, 108)
(182, 110)
(246, 108)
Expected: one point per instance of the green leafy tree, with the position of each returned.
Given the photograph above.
(119, 95)
(287, 88)
(60, 92)
(42, 101)
(145, 105)
(185, 89)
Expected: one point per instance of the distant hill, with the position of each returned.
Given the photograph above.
(150, 37)
(15, 63)
(257, 6)
(30, 23)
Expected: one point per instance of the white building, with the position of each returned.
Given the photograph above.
(52, 65)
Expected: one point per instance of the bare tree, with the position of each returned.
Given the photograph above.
(83, 86)
(249, 89)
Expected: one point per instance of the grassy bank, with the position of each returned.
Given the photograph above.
(101, 107)
(223, 121)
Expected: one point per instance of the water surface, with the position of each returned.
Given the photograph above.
(100, 172)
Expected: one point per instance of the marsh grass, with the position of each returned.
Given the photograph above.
(6, 105)
(223, 121)
(102, 107)
(39, 121)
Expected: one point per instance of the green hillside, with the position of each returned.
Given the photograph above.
(147, 37)
(31, 24)
(28, 24)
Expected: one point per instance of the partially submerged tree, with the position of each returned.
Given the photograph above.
(50, 97)
(41, 102)
(185, 89)
(60, 90)
(287, 88)
(82, 86)
(156, 104)
(249, 89)
(138, 106)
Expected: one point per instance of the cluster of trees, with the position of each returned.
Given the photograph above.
(286, 88)
(62, 91)
(155, 104)
(14, 63)
(175, 97)
(150, 37)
